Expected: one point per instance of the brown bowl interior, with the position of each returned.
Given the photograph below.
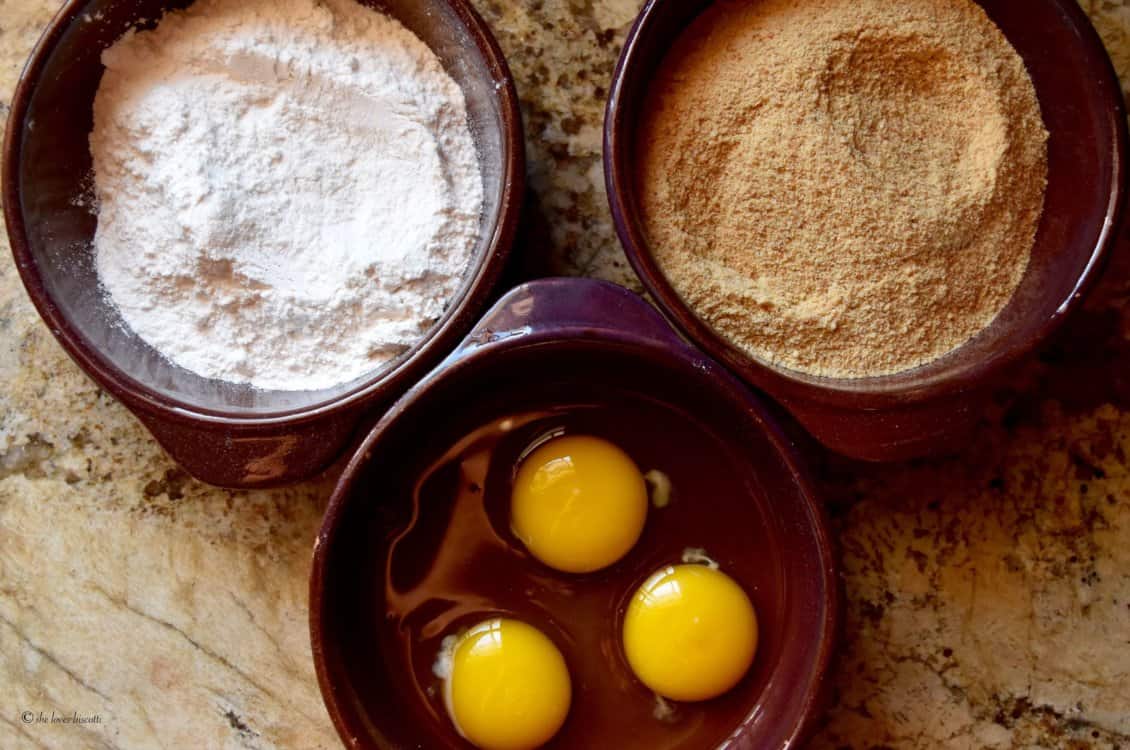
(1082, 107)
(787, 557)
(48, 171)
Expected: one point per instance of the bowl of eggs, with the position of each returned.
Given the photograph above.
(576, 532)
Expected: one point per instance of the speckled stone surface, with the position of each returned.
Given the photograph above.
(988, 595)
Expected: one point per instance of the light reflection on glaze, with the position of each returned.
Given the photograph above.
(468, 532)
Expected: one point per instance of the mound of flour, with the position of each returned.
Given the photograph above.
(288, 190)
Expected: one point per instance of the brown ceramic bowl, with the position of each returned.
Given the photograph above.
(223, 433)
(934, 407)
(544, 344)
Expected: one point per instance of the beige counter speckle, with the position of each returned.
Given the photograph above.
(988, 596)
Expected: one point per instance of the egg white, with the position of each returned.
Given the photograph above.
(442, 668)
(698, 556)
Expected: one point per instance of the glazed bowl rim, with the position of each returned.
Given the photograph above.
(688, 361)
(475, 291)
(874, 392)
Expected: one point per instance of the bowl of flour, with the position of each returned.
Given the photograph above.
(254, 220)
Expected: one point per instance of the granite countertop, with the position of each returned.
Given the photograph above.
(988, 595)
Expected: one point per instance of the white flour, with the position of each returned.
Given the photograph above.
(288, 190)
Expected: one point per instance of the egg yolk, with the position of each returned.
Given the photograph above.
(509, 687)
(690, 633)
(579, 503)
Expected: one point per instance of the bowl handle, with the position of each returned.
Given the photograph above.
(570, 307)
(248, 459)
(933, 428)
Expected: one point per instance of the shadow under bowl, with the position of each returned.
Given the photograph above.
(932, 408)
(224, 433)
(545, 343)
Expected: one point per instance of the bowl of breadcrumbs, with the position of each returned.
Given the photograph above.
(872, 211)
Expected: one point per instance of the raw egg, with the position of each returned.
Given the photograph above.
(579, 503)
(690, 632)
(506, 685)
